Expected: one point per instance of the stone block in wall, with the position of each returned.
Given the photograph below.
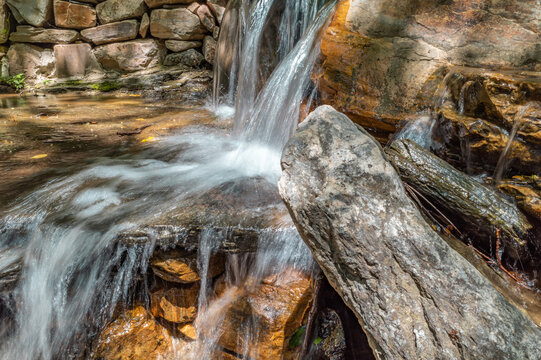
(218, 9)
(191, 57)
(4, 22)
(206, 17)
(176, 24)
(145, 25)
(131, 55)
(34, 12)
(209, 49)
(33, 61)
(182, 45)
(158, 3)
(73, 16)
(30, 34)
(116, 10)
(73, 60)
(113, 32)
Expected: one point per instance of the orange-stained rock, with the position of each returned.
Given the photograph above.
(188, 330)
(176, 305)
(276, 307)
(134, 335)
(377, 56)
(181, 266)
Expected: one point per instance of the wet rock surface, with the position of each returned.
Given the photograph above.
(413, 295)
(135, 334)
(182, 267)
(274, 310)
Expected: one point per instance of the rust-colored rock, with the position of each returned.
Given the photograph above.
(134, 335)
(277, 308)
(181, 266)
(376, 57)
(176, 305)
(73, 16)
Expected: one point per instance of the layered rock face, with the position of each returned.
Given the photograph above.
(122, 24)
(414, 296)
(378, 55)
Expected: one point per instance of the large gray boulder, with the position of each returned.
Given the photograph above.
(414, 296)
(34, 12)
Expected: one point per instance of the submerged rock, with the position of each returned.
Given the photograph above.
(414, 296)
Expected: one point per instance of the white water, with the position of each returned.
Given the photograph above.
(75, 272)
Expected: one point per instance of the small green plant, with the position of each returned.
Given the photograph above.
(16, 81)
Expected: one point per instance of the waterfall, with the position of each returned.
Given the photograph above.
(267, 101)
(75, 270)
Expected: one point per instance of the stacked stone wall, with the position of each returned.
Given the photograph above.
(64, 39)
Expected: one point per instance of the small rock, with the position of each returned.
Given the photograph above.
(131, 55)
(31, 34)
(134, 335)
(73, 16)
(113, 32)
(216, 33)
(176, 24)
(145, 24)
(191, 57)
(34, 62)
(206, 17)
(72, 59)
(180, 45)
(34, 12)
(181, 267)
(116, 10)
(209, 49)
(176, 305)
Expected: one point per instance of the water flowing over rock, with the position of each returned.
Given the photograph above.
(74, 60)
(135, 334)
(414, 296)
(181, 267)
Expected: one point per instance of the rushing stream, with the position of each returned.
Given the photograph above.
(64, 237)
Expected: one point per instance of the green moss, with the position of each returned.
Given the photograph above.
(106, 86)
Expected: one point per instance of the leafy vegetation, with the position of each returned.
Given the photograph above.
(16, 81)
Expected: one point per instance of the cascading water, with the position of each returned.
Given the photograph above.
(65, 236)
